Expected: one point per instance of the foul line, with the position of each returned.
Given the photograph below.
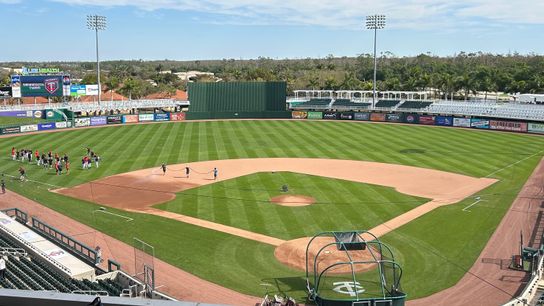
(477, 201)
(29, 180)
(513, 164)
(117, 215)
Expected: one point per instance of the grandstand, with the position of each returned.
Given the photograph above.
(386, 104)
(413, 105)
(316, 104)
(29, 267)
(488, 109)
(347, 104)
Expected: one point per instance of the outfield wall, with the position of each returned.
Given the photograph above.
(406, 118)
(448, 121)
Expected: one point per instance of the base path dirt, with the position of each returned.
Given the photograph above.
(489, 281)
(139, 190)
(172, 280)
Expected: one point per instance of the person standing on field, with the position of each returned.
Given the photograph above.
(96, 160)
(3, 186)
(215, 174)
(187, 170)
(163, 167)
(13, 156)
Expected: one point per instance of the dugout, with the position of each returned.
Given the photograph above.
(225, 100)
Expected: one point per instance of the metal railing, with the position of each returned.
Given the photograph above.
(84, 252)
(20, 215)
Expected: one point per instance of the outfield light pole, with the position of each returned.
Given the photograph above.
(375, 22)
(97, 23)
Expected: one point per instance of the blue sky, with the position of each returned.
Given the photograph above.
(52, 30)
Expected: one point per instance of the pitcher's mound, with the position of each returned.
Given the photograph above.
(292, 200)
(293, 254)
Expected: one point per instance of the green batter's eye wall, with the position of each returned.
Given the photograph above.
(242, 97)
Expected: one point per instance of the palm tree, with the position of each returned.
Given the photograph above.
(129, 85)
(111, 84)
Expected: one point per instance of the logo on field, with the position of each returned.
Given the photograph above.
(51, 85)
(350, 288)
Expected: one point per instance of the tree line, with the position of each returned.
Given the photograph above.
(456, 76)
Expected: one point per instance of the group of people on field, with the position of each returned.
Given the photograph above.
(87, 160)
(47, 160)
(188, 171)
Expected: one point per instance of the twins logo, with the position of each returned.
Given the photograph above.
(51, 85)
(349, 288)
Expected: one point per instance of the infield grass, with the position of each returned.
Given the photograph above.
(435, 250)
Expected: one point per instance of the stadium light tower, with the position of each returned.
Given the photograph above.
(375, 22)
(97, 23)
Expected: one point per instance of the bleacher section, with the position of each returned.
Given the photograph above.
(27, 272)
(489, 109)
(344, 104)
(35, 244)
(414, 105)
(315, 104)
(386, 103)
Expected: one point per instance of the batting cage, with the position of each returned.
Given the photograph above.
(352, 268)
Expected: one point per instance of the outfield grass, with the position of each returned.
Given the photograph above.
(435, 250)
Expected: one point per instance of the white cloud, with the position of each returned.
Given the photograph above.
(411, 14)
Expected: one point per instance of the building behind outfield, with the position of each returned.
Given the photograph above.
(237, 100)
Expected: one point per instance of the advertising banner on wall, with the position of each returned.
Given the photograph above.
(330, 116)
(427, 120)
(461, 122)
(511, 126)
(77, 90)
(5, 92)
(79, 122)
(299, 115)
(16, 86)
(315, 115)
(393, 117)
(91, 90)
(130, 118)
(146, 117)
(535, 128)
(444, 120)
(411, 118)
(62, 124)
(377, 117)
(46, 126)
(162, 117)
(346, 116)
(177, 116)
(10, 130)
(101, 120)
(29, 128)
(115, 119)
(479, 123)
(15, 114)
(361, 116)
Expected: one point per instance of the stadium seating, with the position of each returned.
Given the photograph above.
(489, 109)
(414, 104)
(315, 104)
(387, 103)
(348, 104)
(30, 273)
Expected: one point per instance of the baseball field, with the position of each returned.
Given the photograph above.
(435, 249)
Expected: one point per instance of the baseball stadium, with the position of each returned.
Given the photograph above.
(241, 195)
